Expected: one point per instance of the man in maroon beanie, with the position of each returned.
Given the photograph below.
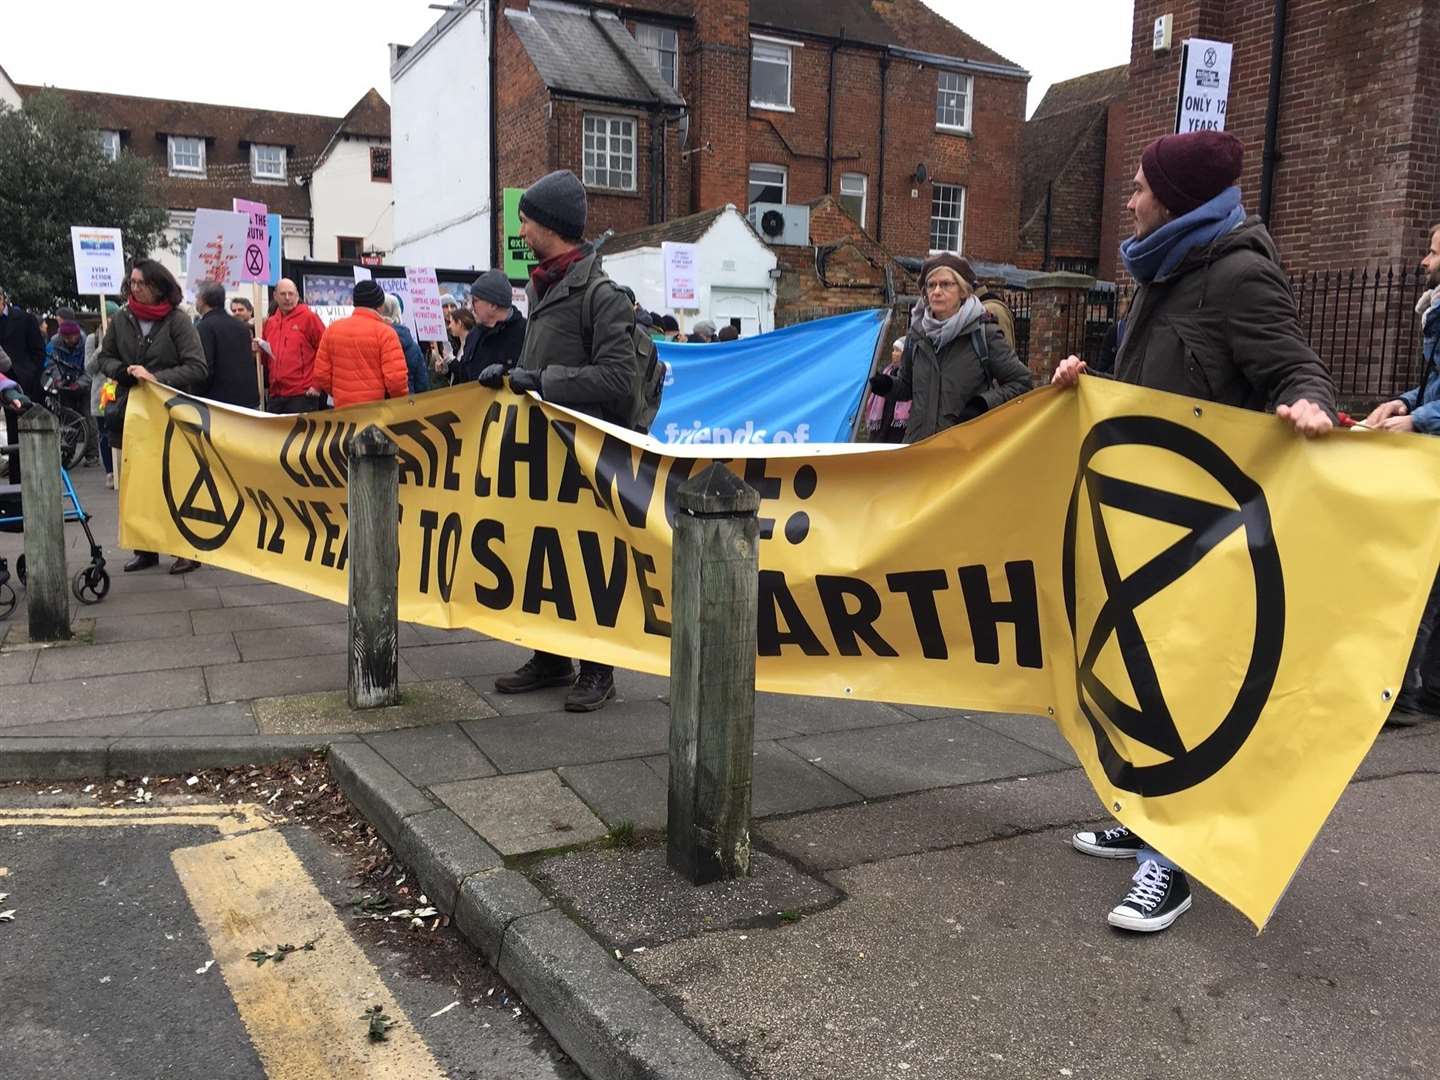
(1212, 318)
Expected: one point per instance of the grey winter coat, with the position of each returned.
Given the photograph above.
(171, 352)
(1223, 327)
(600, 381)
(940, 387)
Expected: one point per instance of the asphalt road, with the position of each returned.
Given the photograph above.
(125, 959)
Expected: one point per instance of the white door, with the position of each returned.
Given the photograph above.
(748, 309)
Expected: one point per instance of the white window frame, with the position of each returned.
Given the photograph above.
(615, 126)
(110, 144)
(776, 47)
(967, 86)
(784, 180)
(657, 47)
(864, 192)
(173, 143)
(959, 247)
(255, 172)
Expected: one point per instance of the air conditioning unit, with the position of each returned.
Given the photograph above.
(781, 223)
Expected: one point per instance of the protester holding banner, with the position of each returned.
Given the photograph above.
(579, 352)
(292, 336)
(151, 339)
(1212, 318)
(416, 378)
(499, 334)
(360, 357)
(957, 364)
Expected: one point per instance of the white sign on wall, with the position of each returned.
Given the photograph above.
(99, 260)
(682, 290)
(1204, 86)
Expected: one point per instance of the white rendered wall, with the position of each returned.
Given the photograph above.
(440, 147)
(346, 202)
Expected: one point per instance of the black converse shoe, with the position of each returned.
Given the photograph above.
(1159, 896)
(1116, 843)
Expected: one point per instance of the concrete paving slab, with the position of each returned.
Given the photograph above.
(922, 754)
(285, 643)
(928, 712)
(147, 603)
(931, 820)
(434, 635)
(16, 667)
(106, 695)
(327, 712)
(160, 624)
(782, 782)
(994, 961)
(213, 577)
(278, 678)
(16, 636)
(228, 718)
(135, 656)
(630, 686)
(436, 754)
(522, 813)
(463, 659)
(813, 715)
(631, 897)
(619, 791)
(250, 595)
(309, 613)
(530, 742)
(107, 727)
(142, 581)
(1038, 732)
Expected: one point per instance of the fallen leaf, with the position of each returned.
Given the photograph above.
(378, 1022)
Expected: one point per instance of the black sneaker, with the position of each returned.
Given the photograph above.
(1159, 896)
(1116, 843)
(592, 690)
(536, 674)
(1409, 709)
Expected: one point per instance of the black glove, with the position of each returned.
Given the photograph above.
(973, 408)
(12, 397)
(881, 384)
(493, 376)
(523, 380)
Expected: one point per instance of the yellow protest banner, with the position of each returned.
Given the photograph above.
(1216, 612)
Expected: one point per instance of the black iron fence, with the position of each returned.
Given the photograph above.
(1086, 324)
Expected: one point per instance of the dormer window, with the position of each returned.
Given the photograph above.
(110, 145)
(267, 162)
(187, 155)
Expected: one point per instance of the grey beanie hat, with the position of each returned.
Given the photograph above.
(368, 294)
(557, 201)
(705, 328)
(493, 286)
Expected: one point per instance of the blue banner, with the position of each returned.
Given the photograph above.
(273, 226)
(800, 384)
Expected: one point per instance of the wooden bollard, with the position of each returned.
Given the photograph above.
(42, 503)
(374, 677)
(712, 676)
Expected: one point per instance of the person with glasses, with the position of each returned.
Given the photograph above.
(957, 363)
(151, 339)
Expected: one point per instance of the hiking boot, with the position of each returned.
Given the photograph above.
(1116, 843)
(1159, 896)
(1411, 707)
(183, 566)
(536, 674)
(594, 687)
(143, 560)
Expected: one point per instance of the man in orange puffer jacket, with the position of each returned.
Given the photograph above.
(360, 358)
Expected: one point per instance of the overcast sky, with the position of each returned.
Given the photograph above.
(309, 56)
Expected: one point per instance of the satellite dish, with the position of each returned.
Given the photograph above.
(772, 223)
(683, 128)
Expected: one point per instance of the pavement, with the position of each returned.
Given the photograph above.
(914, 912)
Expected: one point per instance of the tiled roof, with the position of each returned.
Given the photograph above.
(1070, 113)
(228, 131)
(589, 53)
(368, 118)
(684, 230)
(908, 24)
(1096, 88)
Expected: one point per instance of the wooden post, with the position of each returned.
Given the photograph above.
(374, 678)
(43, 507)
(257, 325)
(104, 321)
(715, 576)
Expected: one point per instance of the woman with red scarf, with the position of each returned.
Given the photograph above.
(152, 340)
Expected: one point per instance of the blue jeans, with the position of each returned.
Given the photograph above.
(1151, 855)
(1417, 671)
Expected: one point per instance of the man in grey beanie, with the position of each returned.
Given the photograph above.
(702, 332)
(499, 332)
(580, 352)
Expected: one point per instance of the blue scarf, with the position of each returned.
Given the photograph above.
(1157, 254)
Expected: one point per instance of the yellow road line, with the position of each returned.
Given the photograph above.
(303, 1015)
(231, 820)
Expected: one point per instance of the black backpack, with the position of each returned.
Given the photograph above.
(650, 372)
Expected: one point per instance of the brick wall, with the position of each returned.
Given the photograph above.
(522, 119)
(1076, 205)
(718, 58)
(1119, 170)
(1359, 125)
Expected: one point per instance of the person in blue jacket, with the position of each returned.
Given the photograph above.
(416, 375)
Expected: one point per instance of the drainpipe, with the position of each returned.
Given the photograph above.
(657, 141)
(880, 203)
(830, 120)
(497, 212)
(1269, 155)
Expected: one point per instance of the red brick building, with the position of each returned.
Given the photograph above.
(910, 124)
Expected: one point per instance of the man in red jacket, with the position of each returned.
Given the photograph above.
(293, 335)
(360, 358)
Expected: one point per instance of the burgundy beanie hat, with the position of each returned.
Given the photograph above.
(954, 262)
(1187, 170)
